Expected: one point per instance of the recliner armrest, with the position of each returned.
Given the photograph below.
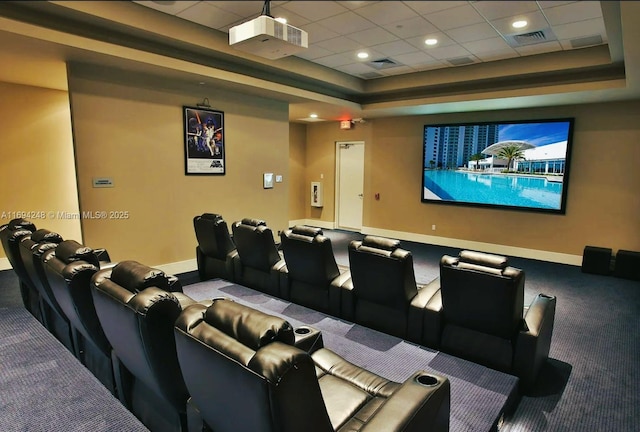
(417, 310)
(102, 254)
(415, 406)
(335, 293)
(534, 341)
(347, 306)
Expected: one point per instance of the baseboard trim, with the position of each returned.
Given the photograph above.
(5, 264)
(178, 267)
(479, 246)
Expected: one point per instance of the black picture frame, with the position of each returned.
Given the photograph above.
(204, 141)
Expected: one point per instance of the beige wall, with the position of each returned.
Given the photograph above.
(297, 179)
(37, 172)
(603, 206)
(135, 136)
(321, 163)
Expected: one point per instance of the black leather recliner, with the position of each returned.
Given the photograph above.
(383, 293)
(480, 316)
(68, 269)
(32, 247)
(258, 262)
(311, 276)
(245, 374)
(216, 249)
(11, 234)
(137, 307)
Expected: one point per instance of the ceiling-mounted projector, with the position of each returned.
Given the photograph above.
(266, 37)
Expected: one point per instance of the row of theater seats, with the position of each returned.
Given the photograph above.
(475, 310)
(181, 365)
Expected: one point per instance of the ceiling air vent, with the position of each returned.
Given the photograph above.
(531, 38)
(384, 63)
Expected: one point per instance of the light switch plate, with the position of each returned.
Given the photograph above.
(268, 180)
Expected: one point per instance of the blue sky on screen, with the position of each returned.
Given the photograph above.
(538, 134)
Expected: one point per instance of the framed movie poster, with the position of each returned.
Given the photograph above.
(204, 148)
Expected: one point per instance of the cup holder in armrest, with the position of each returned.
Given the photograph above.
(427, 380)
(308, 339)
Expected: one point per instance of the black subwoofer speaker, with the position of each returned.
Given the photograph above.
(596, 260)
(627, 265)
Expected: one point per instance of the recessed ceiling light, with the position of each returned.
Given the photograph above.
(313, 115)
(431, 41)
(281, 20)
(519, 24)
(363, 55)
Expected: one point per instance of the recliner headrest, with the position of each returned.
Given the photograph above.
(69, 251)
(306, 230)
(483, 259)
(20, 224)
(135, 277)
(18, 235)
(211, 216)
(44, 235)
(248, 326)
(253, 222)
(381, 243)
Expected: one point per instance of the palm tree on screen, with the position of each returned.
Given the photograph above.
(511, 153)
(476, 157)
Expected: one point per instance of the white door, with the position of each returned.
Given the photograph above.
(350, 181)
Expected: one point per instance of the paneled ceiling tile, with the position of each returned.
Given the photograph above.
(540, 48)
(355, 4)
(415, 59)
(386, 12)
(499, 9)
(244, 8)
(355, 68)
(452, 51)
(314, 52)
(472, 33)
(318, 33)
(171, 8)
(209, 15)
(314, 10)
(443, 41)
(537, 21)
(545, 4)
(399, 70)
(497, 55)
(374, 36)
(336, 60)
(577, 11)
(430, 66)
(292, 18)
(486, 45)
(580, 29)
(347, 23)
(428, 7)
(339, 45)
(416, 26)
(395, 48)
(456, 17)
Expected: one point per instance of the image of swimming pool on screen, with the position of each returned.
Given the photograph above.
(515, 165)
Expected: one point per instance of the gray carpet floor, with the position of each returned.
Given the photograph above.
(44, 388)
